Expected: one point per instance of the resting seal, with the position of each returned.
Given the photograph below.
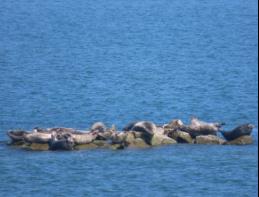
(242, 130)
(37, 137)
(142, 126)
(198, 127)
(84, 138)
(174, 124)
(62, 141)
(61, 130)
(99, 127)
(17, 136)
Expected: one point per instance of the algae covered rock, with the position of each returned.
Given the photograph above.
(38, 147)
(209, 139)
(243, 140)
(86, 146)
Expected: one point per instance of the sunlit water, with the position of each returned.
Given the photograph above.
(71, 63)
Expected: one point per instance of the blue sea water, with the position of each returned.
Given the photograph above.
(71, 63)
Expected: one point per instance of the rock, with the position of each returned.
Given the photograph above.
(138, 143)
(243, 140)
(209, 139)
(86, 146)
(181, 137)
(117, 147)
(31, 147)
(159, 139)
(101, 143)
(38, 147)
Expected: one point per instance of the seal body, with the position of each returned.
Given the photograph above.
(142, 126)
(198, 127)
(242, 130)
(37, 137)
(83, 138)
(17, 136)
(62, 141)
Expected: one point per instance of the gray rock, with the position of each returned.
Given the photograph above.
(159, 139)
(181, 137)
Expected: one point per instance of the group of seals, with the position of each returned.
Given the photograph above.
(68, 138)
(56, 138)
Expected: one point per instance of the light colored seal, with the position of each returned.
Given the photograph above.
(99, 127)
(37, 137)
(84, 138)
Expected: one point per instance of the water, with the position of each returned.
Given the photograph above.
(71, 63)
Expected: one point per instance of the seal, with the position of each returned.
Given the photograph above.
(99, 127)
(198, 127)
(142, 126)
(84, 138)
(174, 124)
(60, 130)
(37, 137)
(63, 141)
(17, 136)
(243, 130)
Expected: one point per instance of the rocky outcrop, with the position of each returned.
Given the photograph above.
(140, 134)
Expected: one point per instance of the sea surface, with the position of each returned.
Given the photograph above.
(72, 63)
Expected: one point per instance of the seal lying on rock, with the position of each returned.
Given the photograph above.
(34, 137)
(37, 137)
(17, 136)
(142, 126)
(84, 138)
(198, 127)
(174, 125)
(62, 141)
(242, 130)
(99, 127)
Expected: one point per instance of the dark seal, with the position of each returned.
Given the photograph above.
(242, 130)
(61, 141)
